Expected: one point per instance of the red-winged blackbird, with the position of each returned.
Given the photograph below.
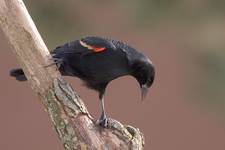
(97, 61)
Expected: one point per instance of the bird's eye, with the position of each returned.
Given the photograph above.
(150, 81)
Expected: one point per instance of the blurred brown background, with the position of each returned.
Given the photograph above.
(185, 108)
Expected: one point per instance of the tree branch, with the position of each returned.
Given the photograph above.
(74, 125)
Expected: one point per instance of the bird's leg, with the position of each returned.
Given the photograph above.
(103, 120)
(103, 115)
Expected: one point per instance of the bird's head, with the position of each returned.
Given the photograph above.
(144, 72)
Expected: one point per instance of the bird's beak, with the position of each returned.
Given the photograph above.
(144, 91)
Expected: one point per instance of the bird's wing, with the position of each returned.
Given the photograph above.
(130, 52)
(87, 45)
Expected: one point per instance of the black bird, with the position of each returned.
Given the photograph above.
(97, 61)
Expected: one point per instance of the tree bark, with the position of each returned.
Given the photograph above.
(71, 120)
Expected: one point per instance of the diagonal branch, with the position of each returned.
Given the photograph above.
(74, 125)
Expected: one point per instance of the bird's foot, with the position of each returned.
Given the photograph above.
(54, 61)
(103, 122)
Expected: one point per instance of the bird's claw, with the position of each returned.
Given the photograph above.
(103, 122)
(54, 61)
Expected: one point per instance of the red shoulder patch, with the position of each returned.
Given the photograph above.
(98, 49)
(93, 48)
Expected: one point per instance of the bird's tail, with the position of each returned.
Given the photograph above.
(18, 74)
